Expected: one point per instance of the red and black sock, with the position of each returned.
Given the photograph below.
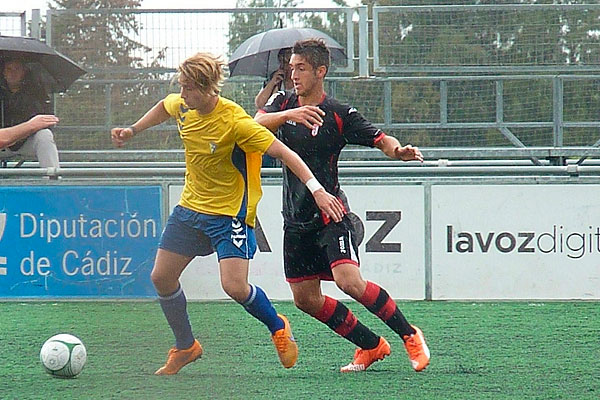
(379, 302)
(341, 320)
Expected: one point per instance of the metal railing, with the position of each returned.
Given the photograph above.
(508, 38)
(13, 23)
(551, 119)
(206, 29)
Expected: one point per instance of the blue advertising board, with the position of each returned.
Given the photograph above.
(78, 241)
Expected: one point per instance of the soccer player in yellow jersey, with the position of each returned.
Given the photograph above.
(223, 150)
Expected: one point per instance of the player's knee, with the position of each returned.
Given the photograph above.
(160, 281)
(307, 304)
(237, 291)
(156, 278)
(350, 286)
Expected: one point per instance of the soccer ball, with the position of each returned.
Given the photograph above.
(63, 355)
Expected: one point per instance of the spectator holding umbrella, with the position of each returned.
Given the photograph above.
(29, 70)
(21, 98)
(281, 79)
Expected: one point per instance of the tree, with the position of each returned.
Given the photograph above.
(244, 25)
(102, 41)
(561, 37)
(97, 40)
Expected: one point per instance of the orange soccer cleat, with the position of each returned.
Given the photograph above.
(417, 350)
(286, 346)
(178, 359)
(364, 358)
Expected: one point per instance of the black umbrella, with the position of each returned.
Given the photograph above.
(258, 54)
(56, 70)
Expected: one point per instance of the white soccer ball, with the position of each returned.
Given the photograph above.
(63, 355)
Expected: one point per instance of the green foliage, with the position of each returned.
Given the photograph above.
(97, 40)
(500, 38)
(108, 44)
(244, 25)
(102, 42)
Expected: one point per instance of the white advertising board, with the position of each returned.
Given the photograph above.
(516, 242)
(391, 252)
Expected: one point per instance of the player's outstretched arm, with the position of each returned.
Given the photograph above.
(306, 115)
(391, 147)
(156, 115)
(327, 203)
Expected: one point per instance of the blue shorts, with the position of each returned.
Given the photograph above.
(191, 233)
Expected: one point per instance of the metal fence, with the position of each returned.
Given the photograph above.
(486, 38)
(418, 78)
(163, 38)
(13, 23)
(428, 111)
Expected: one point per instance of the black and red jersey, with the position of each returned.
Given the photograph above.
(320, 149)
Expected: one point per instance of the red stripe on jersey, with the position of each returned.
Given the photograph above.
(284, 104)
(379, 137)
(370, 295)
(343, 261)
(339, 122)
(387, 310)
(348, 325)
(327, 310)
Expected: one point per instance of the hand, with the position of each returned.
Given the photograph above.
(408, 153)
(120, 135)
(43, 121)
(330, 205)
(306, 115)
(277, 77)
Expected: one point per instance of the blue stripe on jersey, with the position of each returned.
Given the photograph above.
(238, 158)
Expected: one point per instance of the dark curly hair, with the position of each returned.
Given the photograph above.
(314, 51)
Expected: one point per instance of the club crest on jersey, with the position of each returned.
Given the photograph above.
(213, 147)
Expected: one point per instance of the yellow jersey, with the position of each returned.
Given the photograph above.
(223, 156)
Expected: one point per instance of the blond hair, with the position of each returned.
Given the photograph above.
(205, 71)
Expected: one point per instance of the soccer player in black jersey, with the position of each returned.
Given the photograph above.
(317, 127)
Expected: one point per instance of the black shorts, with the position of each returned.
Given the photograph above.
(312, 254)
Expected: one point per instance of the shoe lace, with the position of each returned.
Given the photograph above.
(172, 353)
(280, 340)
(413, 347)
(365, 357)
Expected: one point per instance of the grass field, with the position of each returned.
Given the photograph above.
(507, 350)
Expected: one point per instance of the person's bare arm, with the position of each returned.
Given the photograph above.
(156, 115)
(391, 147)
(271, 87)
(306, 115)
(10, 135)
